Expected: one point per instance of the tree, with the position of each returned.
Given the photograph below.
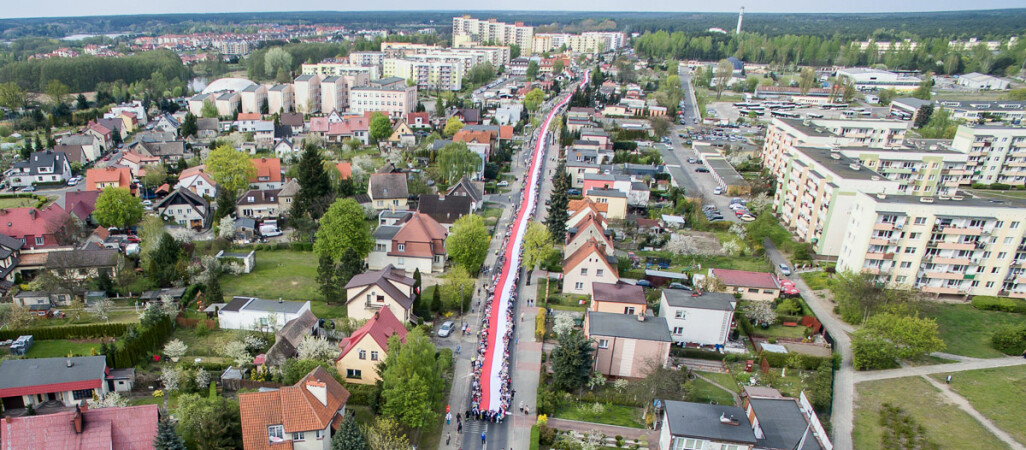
(534, 99)
(537, 247)
(558, 66)
(327, 281)
(12, 96)
(436, 299)
(386, 435)
(108, 400)
(226, 228)
(457, 281)
(349, 436)
(316, 348)
(167, 438)
(380, 127)
(452, 126)
(660, 126)
(558, 216)
(164, 262)
(81, 103)
(155, 176)
(923, 115)
(277, 59)
(56, 92)
(225, 205)
(236, 352)
(887, 96)
(467, 244)
(761, 313)
(175, 349)
(209, 423)
(343, 227)
(923, 91)
(411, 382)
(209, 111)
(807, 80)
(571, 362)
(849, 90)
(439, 107)
(532, 70)
(170, 378)
(350, 265)
(189, 126)
(886, 337)
(724, 72)
(455, 161)
(15, 316)
(230, 169)
(315, 193)
(117, 207)
(859, 296)
(295, 369)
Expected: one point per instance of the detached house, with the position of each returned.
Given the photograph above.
(388, 191)
(388, 288)
(249, 313)
(615, 200)
(115, 177)
(593, 227)
(268, 174)
(46, 167)
(471, 189)
(368, 346)
(259, 204)
(68, 381)
(84, 264)
(37, 228)
(185, 208)
(590, 263)
(445, 209)
(415, 242)
(618, 298)
(688, 425)
(197, 180)
(751, 285)
(10, 248)
(698, 318)
(122, 428)
(582, 208)
(302, 416)
(627, 345)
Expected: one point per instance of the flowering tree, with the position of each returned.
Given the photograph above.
(563, 323)
(316, 348)
(761, 313)
(202, 377)
(108, 400)
(237, 353)
(170, 377)
(226, 228)
(175, 349)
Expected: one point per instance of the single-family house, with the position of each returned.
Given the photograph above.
(197, 180)
(293, 120)
(368, 346)
(186, 208)
(751, 285)
(100, 132)
(590, 263)
(578, 169)
(590, 228)
(91, 145)
(10, 248)
(702, 318)
(250, 313)
(474, 190)
(41, 301)
(84, 264)
(345, 170)
(74, 153)
(688, 425)
(415, 242)
(284, 149)
(68, 381)
(418, 120)
(259, 204)
(616, 201)
(782, 423)
(207, 128)
(288, 338)
(137, 161)
(123, 428)
(166, 123)
(626, 345)
(445, 209)
(584, 208)
(168, 151)
(388, 191)
(618, 298)
(37, 228)
(402, 135)
(388, 288)
(302, 416)
(268, 174)
(287, 196)
(45, 167)
(103, 178)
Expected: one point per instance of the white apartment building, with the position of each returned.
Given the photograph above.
(253, 98)
(281, 98)
(586, 42)
(389, 95)
(334, 94)
(1009, 111)
(372, 59)
(356, 75)
(308, 93)
(941, 245)
(786, 134)
(927, 169)
(227, 103)
(997, 154)
(872, 79)
(497, 55)
(437, 75)
(469, 30)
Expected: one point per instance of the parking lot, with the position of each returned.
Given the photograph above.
(731, 112)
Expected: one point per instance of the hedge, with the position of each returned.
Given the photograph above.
(808, 362)
(695, 353)
(1010, 339)
(989, 303)
(148, 341)
(361, 394)
(96, 330)
(535, 437)
(539, 326)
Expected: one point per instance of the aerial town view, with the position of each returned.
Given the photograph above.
(749, 225)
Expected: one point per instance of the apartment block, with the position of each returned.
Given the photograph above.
(436, 75)
(996, 154)
(253, 98)
(334, 94)
(927, 169)
(281, 98)
(467, 29)
(308, 93)
(371, 59)
(389, 95)
(785, 134)
(945, 245)
(342, 68)
(586, 42)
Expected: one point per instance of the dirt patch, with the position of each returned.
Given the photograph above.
(695, 243)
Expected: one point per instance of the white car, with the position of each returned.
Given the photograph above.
(784, 270)
(74, 181)
(446, 329)
(503, 183)
(718, 190)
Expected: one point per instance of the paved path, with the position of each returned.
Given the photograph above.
(609, 430)
(737, 400)
(964, 405)
(963, 366)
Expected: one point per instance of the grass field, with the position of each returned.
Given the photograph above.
(944, 423)
(999, 394)
(206, 345)
(723, 379)
(16, 202)
(817, 281)
(623, 416)
(966, 330)
(705, 392)
(285, 274)
(58, 348)
(781, 331)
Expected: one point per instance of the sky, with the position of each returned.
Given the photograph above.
(66, 8)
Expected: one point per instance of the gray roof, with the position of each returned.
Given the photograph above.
(445, 209)
(628, 326)
(388, 185)
(257, 304)
(279, 87)
(839, 164)
(782, 423)
(305, 77)
(810, 130)
(617, 292)
(49, 159)
(15, 373)
(77, 259)
(699, 420)
(607, 193)
(706, 300)
(979, 202)
(383, 278)
(386, 232)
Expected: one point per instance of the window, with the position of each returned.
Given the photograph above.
(354, 373)
(678, 330)
(363, 354)
(600, 272)
(990, 284)
(767, 291)
(275, 433)
(629, 310)
(687, 444)
(914, 235)
(920, 220)
(82, 394)
(1002, 255)
(578, 285)
(679, 314)
(402, 247)
(39, 240)
(910, 250)
(906, 264)
(299, 436)
(900, 279)
(995, 269)
(1014, 225)
(603, 343)
(584, 272)
(319, 434)
(374, 355)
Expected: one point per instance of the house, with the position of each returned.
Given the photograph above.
(268, 174)
(590, 263)
(388, 191)
(259, 204)
(116, 177)
(165, 123)
(287, 340)
(782, 423)
(91, 146)
(81, 203)
(616, 201)
(185, 208)
(418, 120)
(284, 149)
(38, 228)
(751, 285)
(10, 248)
(100, 132)
(287, 195)
(45, 167)
(74, 153)
(197, 180)
(123, 428)
(445, 209)
(627, 345)
(469, 116)
(388, 288)
(137, 161)
(67, 381)
(84, 264)
(581, 209)
(402, 135)
(471, 189)
(250, 313)
(703, 426)
(207, 128)
(368, 346)
(40, 301)
(590, 228)
(702, 318)
(168, 151)
(480, 142)
(293, 120)
(302, 416)
(578, 169)
(415, 242)
(618, 298)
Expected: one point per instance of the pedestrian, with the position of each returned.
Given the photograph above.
(521, 406)
(457, 345)
(448, 437)
(448, 418)
(482, 437)
(459, 428)
(949, 379)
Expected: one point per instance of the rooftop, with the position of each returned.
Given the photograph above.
(706, 300)
(839, 164)
(42, 375)
(745, 278)
(618, 292)
(699, 420)
(256, 304)
(782, 423)
(628, 326)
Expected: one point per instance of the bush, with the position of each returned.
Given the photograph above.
(361, 394)
(539, 324)
(88, 331)
(989, 303)
(808, 362)
(546, 435)
(1010, 339)
(535, 438)
(695, 353)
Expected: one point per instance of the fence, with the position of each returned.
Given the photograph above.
(236, 384)
(193, 323)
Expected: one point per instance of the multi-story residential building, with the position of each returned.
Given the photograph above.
(45, 167)
(367, 59)
(942, 245)
(926, 169)
(497, 55)
(227, 103)
(389, 95)
(438, 75)
(361, 75)
(586, 42)
(308, 93)
(281, 98)
(1013, 112)
(334, 94)
(467, 29)
(996, 154)
(253, 98)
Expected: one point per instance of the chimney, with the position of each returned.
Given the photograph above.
(319, 390)
(77, 421)
(32, 212)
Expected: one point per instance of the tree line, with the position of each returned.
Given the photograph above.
(84, 73)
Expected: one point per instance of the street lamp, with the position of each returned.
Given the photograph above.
(461, 306)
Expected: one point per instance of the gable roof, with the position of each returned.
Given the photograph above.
(628, 326)
(290, 189)
(291, 119)
(295, 407)
(782, 423)
(590, 248)
(383, 325)
(586, 202)
(48, 158)
(183, 196)
(745, 278)
(594, 221)
(121, 175)
(43, 375)
(269, 168)
(21, 222)
(473, 136)
(81, 203)
(123, 428)
(248, 116)
(383, 278)
(82, 259)
(259, 197)
(467, 186)
(345, 170)
(617, 292)
(411, 118)
(718, 301)
(421, 228)
(294, 330)
(388, 185)
(445, 209)
(699, 420)
(72, 152)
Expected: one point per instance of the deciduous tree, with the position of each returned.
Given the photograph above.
(534, 99)
(452, 126)
(117, 207)
(343, 227)
(537, 247)
(467, 244)
(724, 72)
(411, 381)
(209, 423)
(886, 337)
(455, 160)
(230, 168)
(380, 127)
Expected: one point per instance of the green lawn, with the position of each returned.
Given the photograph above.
(999, 394)
(58, 348)
(206, 345)
(16, 202)
(818, 281)
(775, 331)
(723, 379)
(944, 423)
(705, 392)
(966, 330)
(624, 416)
(285, 274)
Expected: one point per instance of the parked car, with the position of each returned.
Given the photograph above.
(678, 286)
(644, 283)
(29, 189)
(747, 218)
(784, 269)
(692, 161)
(718, 190)
(74, 181)
(502, 183)
(446, 329)
(702, 170)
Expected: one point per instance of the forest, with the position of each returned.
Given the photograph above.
(84, 73)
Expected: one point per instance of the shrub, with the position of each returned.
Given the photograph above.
(989, 303)
(95, 330)
(1010, 339)
(681, 352)
(807, 362)
(546, 435)
(539, 326)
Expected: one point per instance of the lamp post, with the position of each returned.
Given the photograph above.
(461, 306)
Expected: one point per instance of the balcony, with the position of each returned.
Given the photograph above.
(879, 241)
(881, 256)
(960, 261)
(880, 226)
(943, 245)
(945, 275)
(939, 290)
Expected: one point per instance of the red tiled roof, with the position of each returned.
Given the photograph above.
(423, 237)
(22, 222)
(596, 221)
(120, 175)
(318, 124)
(294, 407)
(125, 428)
(411, 118)
(478, 136)
(380, 328)
(345, 170)
(505, 132)
(249, 116)
(577, 205)
(269, 168)
(590, 248)
(745, 278)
